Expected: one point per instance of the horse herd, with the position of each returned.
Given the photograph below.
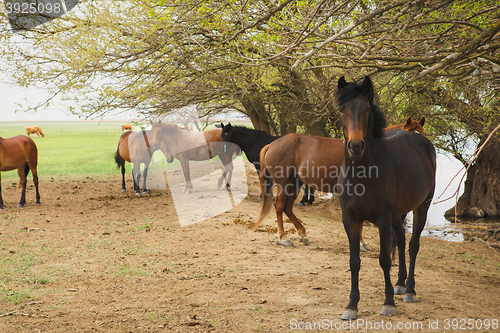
(379, 173)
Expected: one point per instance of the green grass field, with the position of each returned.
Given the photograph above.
(83, 148)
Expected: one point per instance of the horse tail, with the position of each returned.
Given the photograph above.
(148, 144)
(118, 158)
(267, 182)
(26, 172)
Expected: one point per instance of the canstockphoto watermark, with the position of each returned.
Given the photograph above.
(325, 178)
(469, 324)
(27, 14)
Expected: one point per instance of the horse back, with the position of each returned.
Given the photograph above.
(16, 151)
(314, 160)
(414, 168)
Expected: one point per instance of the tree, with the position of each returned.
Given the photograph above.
(278, 61)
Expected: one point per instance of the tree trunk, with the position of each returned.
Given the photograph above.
(256, 110)
(481, 197)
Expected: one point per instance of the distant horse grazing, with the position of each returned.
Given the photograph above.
(251, 141)
(298, 159)
(126, 127)
(34, 130)
(19, 152)
(137, 148)
(405, 163)
(187, 146)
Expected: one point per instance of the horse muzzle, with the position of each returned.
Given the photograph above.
(356, 149)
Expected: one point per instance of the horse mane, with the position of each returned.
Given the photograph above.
(377, 121)
(247, 129)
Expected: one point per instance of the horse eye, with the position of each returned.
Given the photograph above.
(341, 110)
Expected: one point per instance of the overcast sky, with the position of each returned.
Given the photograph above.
(10, 96)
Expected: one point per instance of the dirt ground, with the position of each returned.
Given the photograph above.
(94, 259)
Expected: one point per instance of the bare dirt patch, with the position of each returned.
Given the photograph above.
(94, 259)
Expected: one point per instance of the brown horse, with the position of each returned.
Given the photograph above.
(136, 148)
(405, 164)
(298, 159)
(126, 127)
(194, 146)
(21, 153)
(34, 130)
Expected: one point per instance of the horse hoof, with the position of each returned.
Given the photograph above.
(388, 310)
(145, 192)
(38, 204)
(20, 206)
(410, 298)
(138, 193)
(305, 240)
(287, 242)
(300, 204)
(349, 315)
(399, 290)
(362, 247)
(123, 190)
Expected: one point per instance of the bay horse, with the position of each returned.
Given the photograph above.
(137, 148)
(297, 159)
(34, 130)
(405, 163)
(251, 141)
(186, 146)
(19, 152)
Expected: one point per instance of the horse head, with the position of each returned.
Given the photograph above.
(227, 135)
(361, 118)
(411, 125)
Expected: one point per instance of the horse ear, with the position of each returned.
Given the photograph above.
(367, 88)
(422, 121)
(229, 125)
(222, 125)
(150, 122)
(159, 122)
(342, 83)
(408, 121)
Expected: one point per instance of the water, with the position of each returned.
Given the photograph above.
(437, 225)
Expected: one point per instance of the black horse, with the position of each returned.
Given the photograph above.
(398, 158)
(252, 141)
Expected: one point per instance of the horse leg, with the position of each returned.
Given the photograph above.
(385, 229)
(123, 177)
(279, 205)
(187, 175)
(290, 200)
(1, 200)
(145, 176)
(35, 180)
(397, 225)
(419, 219)
(311, 196)
(363, 246)
(304, 197)
(136, 175)
(22, 183)
(352, 230)
(228, 170)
